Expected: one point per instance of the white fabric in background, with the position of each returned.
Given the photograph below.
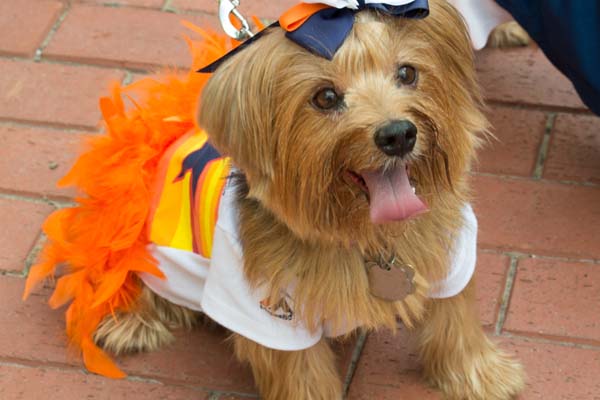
(481, 16)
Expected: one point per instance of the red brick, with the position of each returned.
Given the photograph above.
(63, 95)
(36, 159)
(518, 135)
(260, 8)
(201, 358)
(538, 217)
(21, 222)
(35, 332)
(31, 330)
(389, 370)
(18, 382)
(525, 76)
(135, 3)
(556, 298)
(490, 278)
(557, 372)
(136, 38)
(25, 23)
(574, 149)
(210, 365)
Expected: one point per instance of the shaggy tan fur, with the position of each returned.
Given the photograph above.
(303, 223)
(460, 359)
(292, 375)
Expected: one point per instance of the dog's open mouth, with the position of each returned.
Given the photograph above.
(391, 195)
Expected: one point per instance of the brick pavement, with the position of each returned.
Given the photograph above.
(536, 188)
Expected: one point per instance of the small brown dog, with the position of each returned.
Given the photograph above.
(352, 199)
(307, 135)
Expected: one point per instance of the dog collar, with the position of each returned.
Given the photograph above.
(322, 26)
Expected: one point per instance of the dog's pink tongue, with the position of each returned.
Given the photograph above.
(391, 196)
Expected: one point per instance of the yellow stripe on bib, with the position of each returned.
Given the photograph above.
(189, 186)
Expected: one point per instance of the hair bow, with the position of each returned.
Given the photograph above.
(321, 26)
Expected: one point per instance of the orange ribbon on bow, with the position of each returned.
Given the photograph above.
(293, 18)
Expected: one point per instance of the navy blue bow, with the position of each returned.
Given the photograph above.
(324, 32)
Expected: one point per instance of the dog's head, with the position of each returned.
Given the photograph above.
(383, 132)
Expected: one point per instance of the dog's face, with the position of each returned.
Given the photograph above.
(380, 134)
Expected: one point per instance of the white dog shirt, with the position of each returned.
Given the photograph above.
(217, 286)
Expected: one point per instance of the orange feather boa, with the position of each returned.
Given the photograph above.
(102, 241)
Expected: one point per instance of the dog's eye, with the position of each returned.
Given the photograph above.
(327, 99)
(407, 75)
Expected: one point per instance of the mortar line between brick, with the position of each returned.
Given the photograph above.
(58, 204)
(34, 253)
(46, 124)
(58, 61)
(36, 364)
(540, 162)
(65, 367)
(530, 179)
(356, 353)
(174, 382)
(199, 13)
(540, 107)
(115, 4)
(127, 79)
(562, 343)
(14, 57)
(41, 125)
(104, 64)
(68, 368)
(510, 280)
(40, 50)
(12, 274)
(539, 256)
(168, 6)
(169, 382)
(217, 395)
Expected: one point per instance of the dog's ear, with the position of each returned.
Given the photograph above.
(237, 107)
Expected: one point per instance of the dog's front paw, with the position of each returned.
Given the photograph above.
(488, 375)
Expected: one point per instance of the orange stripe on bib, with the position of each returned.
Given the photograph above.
(188, 192)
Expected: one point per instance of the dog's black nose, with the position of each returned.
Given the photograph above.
(397, 138)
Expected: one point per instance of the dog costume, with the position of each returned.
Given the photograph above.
(193, 228)
(157, 206)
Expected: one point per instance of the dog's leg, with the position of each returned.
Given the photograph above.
(292, 375)
(458, 357)
(146, 328)
(509, 34)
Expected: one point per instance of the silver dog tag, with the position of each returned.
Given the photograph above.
(390, 281)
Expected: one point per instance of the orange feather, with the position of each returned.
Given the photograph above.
(102, 240)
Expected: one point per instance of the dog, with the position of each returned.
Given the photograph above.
(346, 206)
(490, 25)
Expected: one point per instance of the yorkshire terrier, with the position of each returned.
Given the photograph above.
(346, 207)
